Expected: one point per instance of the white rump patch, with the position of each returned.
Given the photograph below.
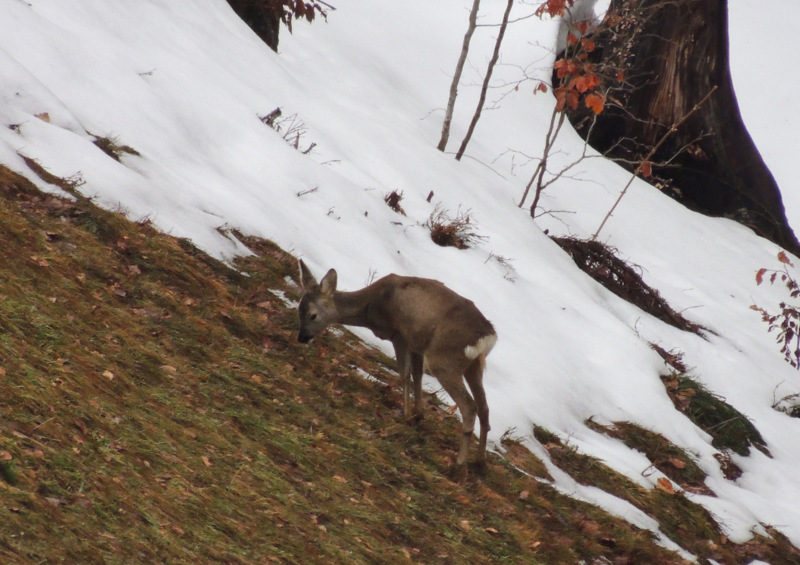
(483, 347)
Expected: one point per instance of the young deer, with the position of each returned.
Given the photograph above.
(432, 329)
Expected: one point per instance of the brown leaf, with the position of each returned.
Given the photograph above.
(760, 275)
(677, 463)
(665, 485)
(6, 456)
(206, 461)
(783, 258)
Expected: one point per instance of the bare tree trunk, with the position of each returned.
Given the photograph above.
(263, 19)
(462, 59)
(486, 79)
(673, 52)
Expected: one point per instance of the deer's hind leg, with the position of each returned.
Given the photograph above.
(474, 378)
(416, 374)
(453, 383)
(404, 367)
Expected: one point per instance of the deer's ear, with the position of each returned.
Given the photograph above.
(328, 284)
(307, 280)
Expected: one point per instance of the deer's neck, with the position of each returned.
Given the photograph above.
(353, 307)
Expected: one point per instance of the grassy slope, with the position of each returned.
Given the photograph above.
(155, 407)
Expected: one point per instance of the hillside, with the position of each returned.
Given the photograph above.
(157, 408)
(139, 365)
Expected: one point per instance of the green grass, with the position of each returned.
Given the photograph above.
(155, 407)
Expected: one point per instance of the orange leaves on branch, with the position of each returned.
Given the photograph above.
(647, 169)
(595, 102)
(542, 87)
(565, 67)
(577, 79)
(566, 97)
(585, 83)
(783, 258)
(553, 8)
(577, 76)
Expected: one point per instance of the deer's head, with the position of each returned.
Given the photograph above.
(317, 309)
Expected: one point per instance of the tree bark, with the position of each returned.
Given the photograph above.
(671, 53)
(262, 17)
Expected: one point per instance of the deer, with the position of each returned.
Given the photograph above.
(433, 330)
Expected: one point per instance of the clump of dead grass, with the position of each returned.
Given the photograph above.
(448, 231)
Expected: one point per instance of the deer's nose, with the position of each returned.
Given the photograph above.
(303, 337)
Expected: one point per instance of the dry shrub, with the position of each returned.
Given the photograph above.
(456, 232)
(600, 262)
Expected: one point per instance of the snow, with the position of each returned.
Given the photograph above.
(185, 84)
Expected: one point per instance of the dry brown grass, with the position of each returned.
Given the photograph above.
(155, 407)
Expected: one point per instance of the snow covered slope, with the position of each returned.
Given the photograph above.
(185, 84)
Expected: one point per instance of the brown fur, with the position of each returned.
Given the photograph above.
(431, 327)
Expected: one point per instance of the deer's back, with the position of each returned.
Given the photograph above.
(425, 312)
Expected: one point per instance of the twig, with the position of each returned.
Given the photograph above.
(649, 156)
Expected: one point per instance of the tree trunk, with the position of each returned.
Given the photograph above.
(462, 59)
(264, 18)
(486, 80)
(670, 54)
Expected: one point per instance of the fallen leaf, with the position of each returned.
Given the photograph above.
(6, 456)
(665, 485)
(465, 525)
(206, 461)
(524, 495)
(340, 479)
(677, 463)
(109, 375)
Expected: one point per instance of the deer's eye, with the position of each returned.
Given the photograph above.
(312, 317)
